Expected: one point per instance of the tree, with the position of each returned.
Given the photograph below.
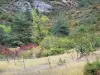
(22, 29)
(84, 41)
(4, 34)
(39, 26)
(60, 27)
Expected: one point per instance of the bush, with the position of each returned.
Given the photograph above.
(61, 62)
(53, 51)
(58, 42)
(48, 42)
(56, 45)
(27, 55)
(92, 68)
(2, 57)
(65, 43)
(97, 41)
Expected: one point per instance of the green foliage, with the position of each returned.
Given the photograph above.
(48, 42)
(65, 43)
(27, 55)
(37, 17)
(97, 41)
(53, 51)
(84, 39)
(92, 68)
(56, 45)
(89, 19)
(21, 29)
(57, 42)
(2, 57)
(39, 28)
(80, 28)
(4, 34)
(85, 43)
(6, 29)
(60, 27)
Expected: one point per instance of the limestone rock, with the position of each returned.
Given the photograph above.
(42, 6)
(21, 6)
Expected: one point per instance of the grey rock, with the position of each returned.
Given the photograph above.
(42, 6)
(22, 6)
(28, 5)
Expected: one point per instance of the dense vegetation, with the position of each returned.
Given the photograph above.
(92, 68)
(55, 33)
(42, 28)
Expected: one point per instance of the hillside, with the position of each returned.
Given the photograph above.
(48, 37)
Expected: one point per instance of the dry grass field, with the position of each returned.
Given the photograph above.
(47, 65)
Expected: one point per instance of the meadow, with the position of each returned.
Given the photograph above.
(64, 64)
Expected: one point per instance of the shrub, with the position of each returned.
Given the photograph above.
(2, 57)
(97, 41)
(4, 34)
(56, 45)
(53, 51)
(61, 62)
(27, 55)
(92, 68)
(48, 42)
(58, 42)
(65, 43)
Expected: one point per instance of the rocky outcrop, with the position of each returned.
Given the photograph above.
(42, 6)
(22, 6)
(28, 5)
